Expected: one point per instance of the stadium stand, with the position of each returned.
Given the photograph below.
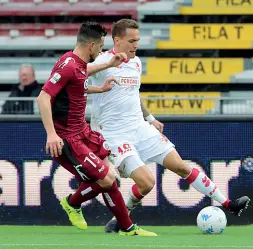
(42, 29)
(60, 8)
(189, 49)
(192, 70)
(209, 36)
(219, 7)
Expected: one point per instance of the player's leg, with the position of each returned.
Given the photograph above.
(113, 200)
(109, 196)
(166, 155)
(98, 178)
(74, 212)
(129, 164)
(133, 167)
(128, 161)
(172, 161)
(136, 169)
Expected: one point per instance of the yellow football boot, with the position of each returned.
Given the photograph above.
(75, 215)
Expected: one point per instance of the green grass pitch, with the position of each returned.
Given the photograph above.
(67, 237)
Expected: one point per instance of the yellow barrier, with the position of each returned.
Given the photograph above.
(222, 3)
(191, 70)
(211, 32)
(183, 106)
(184, 79)
(215, 11)
(204, 44)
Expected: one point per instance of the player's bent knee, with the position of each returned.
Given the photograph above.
(108, 180)
(174, 162)
(146, 187)
(145, 183)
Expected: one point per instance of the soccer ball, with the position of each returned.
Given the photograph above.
(211, 220)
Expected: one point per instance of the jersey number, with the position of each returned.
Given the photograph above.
(93, 156)
(124, 148)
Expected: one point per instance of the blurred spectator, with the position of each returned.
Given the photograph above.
(27, 87)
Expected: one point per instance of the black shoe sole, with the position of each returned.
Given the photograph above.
(247, 204)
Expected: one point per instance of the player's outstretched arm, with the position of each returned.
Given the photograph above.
(150, 118)
(115, 61)
(92, 69)
(108, 85)
(54, 142)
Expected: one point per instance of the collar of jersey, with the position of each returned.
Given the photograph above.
(112, 51)
(78, 59)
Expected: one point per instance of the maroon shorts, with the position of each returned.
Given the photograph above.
(83, 154)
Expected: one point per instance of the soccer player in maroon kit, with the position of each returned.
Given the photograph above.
(70, 140)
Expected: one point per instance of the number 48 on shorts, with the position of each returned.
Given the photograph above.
(124, 148)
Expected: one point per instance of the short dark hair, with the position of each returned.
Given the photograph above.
(119, 28)
(90, 31)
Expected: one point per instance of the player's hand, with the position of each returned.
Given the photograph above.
(54, 145)
(117, 59)
(158, 125)
(109, 84)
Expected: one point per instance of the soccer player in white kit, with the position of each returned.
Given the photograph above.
(120, 116)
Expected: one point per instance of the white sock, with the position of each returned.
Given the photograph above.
(134, 198)
(204, 185)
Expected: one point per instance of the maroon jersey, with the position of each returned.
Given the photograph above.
(68, 87)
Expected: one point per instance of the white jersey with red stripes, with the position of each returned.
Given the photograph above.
(118, 111)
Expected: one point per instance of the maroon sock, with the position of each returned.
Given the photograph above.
(115, 202)
(85, 192)
(112, 197)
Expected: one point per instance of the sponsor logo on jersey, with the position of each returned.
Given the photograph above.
(129, 81)
(86, 84)
(55, 78)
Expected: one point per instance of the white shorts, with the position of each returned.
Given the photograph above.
(146, 145)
